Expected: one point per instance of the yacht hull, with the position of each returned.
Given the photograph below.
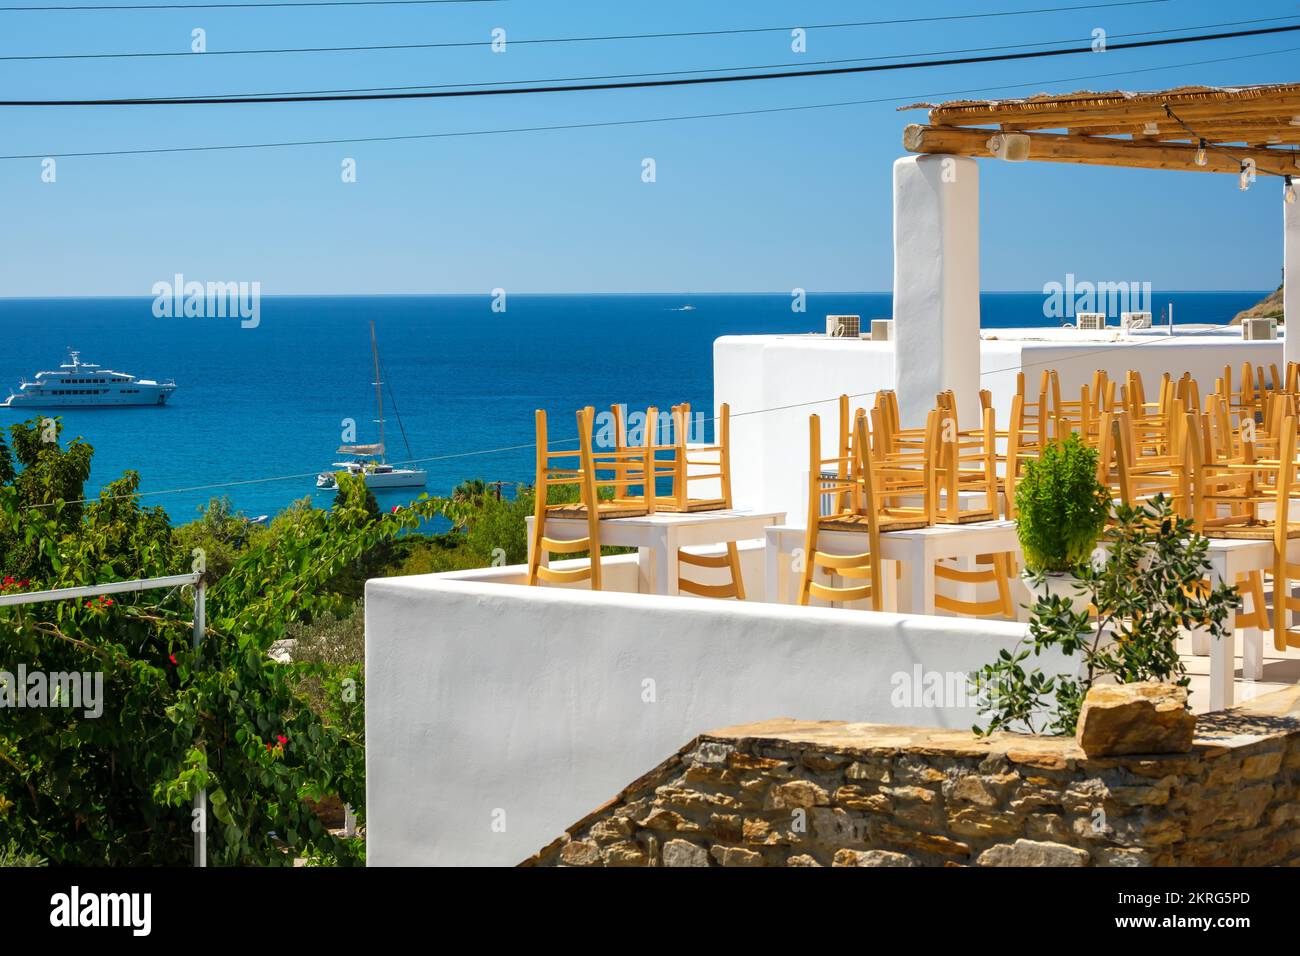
(410, 479)
(407, 478)
(73, 401)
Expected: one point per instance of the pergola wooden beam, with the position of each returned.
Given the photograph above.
(1078, 119)
(1103, 109)
(1095, 151)
(1244, 134)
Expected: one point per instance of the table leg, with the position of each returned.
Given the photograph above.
(922, 584)
(889, 586)
(1222, 659)
(645, 571)
(1252, 654)
(666, 562)
(772, 558)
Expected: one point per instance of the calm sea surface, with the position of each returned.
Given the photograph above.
(268, 402)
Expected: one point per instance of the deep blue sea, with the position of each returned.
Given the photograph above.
(268, 402)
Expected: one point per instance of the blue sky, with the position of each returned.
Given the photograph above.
(754, 203)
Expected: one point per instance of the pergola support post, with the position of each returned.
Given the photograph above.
(936, 283)
(1291, 281)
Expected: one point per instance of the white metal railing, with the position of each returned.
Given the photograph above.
(195, 580)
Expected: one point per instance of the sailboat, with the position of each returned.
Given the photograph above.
(368, 461)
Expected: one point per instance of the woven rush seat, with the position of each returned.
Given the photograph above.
(604, 510)
(854, 522)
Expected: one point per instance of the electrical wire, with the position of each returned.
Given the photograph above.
(633, 36)
(636, 122)
(99, 7)
(764, 66)
(648, 84)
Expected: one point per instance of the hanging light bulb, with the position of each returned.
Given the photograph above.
(1247, 175)
(1200, 153)
(1288, 190)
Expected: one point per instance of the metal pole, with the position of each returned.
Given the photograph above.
(201, 798)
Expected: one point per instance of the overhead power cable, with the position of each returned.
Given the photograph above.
(455, 134)
(648, 84)
(731, 69)
(71, 8)
(460, 44)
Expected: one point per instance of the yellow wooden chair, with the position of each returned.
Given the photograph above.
(569, 467)
(714, 459)
(682, 466)
(966, 463)
(848, 482)
(1243, 484)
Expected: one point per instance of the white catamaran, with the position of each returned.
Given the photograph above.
(79, 384)
(368, 460)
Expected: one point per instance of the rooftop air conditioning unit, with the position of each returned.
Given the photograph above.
(844, 326)
(1134, 320)
(1261, 328)
(1091, 321)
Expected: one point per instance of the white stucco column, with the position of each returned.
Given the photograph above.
(936, 283)
(1291, 281)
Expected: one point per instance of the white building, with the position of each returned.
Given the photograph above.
(497, 714)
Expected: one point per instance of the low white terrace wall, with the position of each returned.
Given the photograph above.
(790, 377)
(496, 715)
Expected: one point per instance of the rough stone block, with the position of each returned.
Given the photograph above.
(1135, 719)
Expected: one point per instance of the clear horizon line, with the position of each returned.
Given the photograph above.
(489, 294)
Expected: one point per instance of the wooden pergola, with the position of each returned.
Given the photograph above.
(1153, 130)
(1238, 130)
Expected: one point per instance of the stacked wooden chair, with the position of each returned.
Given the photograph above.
(576, 467)
(1029, 431)
(849, 482)
(624, 480)
(895, 480)
(715, 460)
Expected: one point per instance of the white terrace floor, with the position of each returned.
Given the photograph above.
(1281, 668)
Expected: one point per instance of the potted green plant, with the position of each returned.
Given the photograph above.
(1061, 512)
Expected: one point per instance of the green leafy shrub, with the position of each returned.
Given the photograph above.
(117, 789)
(1151, 586)
(1061, 507)
(11, 854)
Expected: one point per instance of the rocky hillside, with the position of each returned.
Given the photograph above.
(1271, 307)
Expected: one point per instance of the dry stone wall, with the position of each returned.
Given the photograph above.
(800, 793)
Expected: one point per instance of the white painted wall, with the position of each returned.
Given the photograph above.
(773, 383)
(484, 697)
(797, 375)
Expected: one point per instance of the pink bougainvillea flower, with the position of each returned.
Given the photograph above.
(282, 738)
(395, 509)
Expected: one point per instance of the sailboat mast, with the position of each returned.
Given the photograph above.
(379, 392)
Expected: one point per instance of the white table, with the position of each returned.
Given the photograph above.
(659, 536)
(1230, 557)
(919, 549)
